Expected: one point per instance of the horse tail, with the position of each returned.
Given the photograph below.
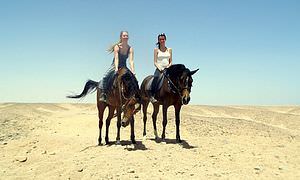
(90, 86)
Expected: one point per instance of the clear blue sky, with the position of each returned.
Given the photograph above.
(248, 52)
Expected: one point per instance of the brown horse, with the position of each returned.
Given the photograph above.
(124, 88)
(175, 90)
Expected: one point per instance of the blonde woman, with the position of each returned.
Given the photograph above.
(122, 51)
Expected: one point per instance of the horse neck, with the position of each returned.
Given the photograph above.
(168, 89)
(114, 96)
(165, 87)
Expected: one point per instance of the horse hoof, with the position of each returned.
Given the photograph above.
(118, 142)
(133, 141)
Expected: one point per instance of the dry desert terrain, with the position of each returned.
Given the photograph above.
(59, 141)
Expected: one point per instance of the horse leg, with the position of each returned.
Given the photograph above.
(101, 108)
(177, 116)
(165, 108)
(145, 106)
(108, 119)
(118, 125)
(154, 118)
(132, 137)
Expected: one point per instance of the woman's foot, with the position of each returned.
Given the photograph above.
(103, 97)
(152, 99)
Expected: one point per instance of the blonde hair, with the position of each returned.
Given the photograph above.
(111, 47)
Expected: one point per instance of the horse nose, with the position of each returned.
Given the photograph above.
(125, 122)
(186, 100)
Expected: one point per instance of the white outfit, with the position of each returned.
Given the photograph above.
(163, 59)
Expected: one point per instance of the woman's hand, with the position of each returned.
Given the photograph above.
(116, 72)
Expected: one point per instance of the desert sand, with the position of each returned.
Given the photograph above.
(59, 141)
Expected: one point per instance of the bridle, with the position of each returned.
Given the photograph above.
(176, 90)
(121, 89)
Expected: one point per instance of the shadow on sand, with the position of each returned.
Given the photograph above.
(140, 146)
(128, 145)
(184, 143)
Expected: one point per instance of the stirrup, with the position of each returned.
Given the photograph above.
(103, 97)
(153, 100)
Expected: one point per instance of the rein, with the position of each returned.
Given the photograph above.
(122, 92)
(177, 90)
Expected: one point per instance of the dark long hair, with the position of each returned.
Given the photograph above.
(160, 35)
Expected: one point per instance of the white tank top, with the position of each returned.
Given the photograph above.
(163, 58)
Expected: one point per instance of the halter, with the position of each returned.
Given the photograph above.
(177, 90)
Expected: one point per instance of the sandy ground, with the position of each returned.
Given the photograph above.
(59, 141)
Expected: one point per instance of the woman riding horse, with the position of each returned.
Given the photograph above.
(175, 90)
(121, 51)
(125, 88)
(113, 96)
(162, 60)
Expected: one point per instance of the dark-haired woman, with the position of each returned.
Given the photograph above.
(162, 60)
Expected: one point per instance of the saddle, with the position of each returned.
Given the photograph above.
(112, 81)
(159, 82)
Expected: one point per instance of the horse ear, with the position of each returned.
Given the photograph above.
(193, 72)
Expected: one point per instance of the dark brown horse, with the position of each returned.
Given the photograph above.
(175, 90)
(124, 88)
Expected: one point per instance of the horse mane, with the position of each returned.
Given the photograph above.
(126, 75)
(175, 70)
(133, 84)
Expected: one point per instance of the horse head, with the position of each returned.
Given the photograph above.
(129, 90)
(131, 107)
(182, 81)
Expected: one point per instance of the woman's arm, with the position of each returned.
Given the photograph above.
(155, 59)
(131, 60)
(116, 55)
(170, 60)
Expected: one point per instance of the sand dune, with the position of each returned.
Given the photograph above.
(58, 141)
